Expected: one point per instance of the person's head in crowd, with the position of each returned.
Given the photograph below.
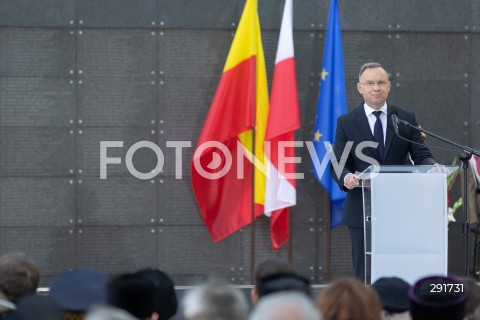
(439, 298)
(270, 267)
(393, 294)
(108, 313)
(285, 305)
(472, 309)
(267, 268)
(215, 301)
(282, 282)
(76, 291)
(33, 307)
(134, 294)
(19, 276)
(165, 298)
(348, 298)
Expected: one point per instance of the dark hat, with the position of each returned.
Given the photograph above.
(165, 297)
(393, 293)
(33, 307)
(134, 294)
(439, 298)
(79, 290)
(283, 282)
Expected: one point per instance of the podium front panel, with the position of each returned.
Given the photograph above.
(408, 225)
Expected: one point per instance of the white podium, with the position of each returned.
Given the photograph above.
(405, 220)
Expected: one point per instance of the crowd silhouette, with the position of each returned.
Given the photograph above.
(280, 293)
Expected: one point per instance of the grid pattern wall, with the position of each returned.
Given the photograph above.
(77, 72)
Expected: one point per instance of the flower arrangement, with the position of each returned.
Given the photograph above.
(453, 209)
(450, 182)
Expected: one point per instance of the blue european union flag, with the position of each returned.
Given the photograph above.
(332, 103)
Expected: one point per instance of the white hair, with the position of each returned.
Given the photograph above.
(286, 305)
(396, 316)
(215, 301)
(108, 313)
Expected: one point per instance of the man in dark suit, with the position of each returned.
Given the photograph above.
(371, 122)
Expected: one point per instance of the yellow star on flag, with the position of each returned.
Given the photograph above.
(318, 135)
(324, 74)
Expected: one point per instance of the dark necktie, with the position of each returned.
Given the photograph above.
(378, 134)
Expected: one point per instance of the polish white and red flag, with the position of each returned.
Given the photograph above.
(283, 120)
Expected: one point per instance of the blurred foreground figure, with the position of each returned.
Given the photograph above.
(348, 298)
(267, 268)
(6, 307)
(285, 306)
(165, 298)
(439, 298)
(215, 302)
(393, 294)
(134, 294)
(35, 307)
(19, 276)
(108, 313)
(78, 290)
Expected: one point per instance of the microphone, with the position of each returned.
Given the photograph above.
(394, 118)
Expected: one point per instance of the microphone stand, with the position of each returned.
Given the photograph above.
(465, 155)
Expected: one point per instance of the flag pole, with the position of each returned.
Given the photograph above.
(328, 259)
(290, 237)
(252, 236)
(252, 210)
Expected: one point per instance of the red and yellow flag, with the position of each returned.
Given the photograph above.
(240, 105)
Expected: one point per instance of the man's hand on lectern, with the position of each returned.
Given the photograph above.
(351, 181)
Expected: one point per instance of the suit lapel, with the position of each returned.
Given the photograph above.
(361, 121)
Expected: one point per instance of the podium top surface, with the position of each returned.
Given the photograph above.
(372, 171)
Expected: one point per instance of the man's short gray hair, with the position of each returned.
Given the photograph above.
(370, 65)
(215, 302)
(286, 306)
(108, 313)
